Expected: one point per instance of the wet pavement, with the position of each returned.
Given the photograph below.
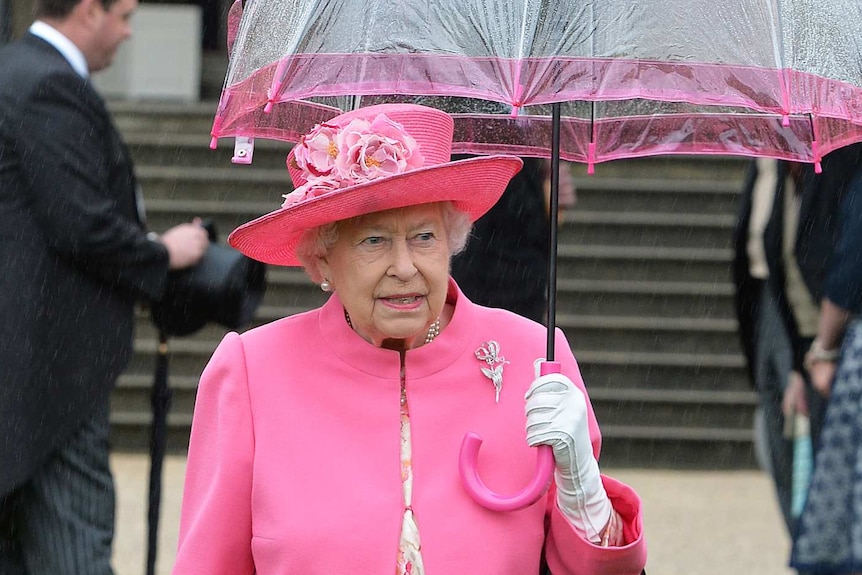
(697, 522)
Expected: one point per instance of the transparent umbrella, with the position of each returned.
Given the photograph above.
(583, 80)
(781, 78)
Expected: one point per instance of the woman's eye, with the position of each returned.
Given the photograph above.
(373, 241)
(425, 236)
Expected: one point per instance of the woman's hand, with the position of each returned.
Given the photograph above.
(822, 374)
(557, 416)
(821, 361)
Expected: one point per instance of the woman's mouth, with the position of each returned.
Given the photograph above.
(403, 300)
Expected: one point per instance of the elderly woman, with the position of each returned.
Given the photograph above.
(327, 442)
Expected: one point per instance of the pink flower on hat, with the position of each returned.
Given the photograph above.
(316, 151)
(370, 150)
(309, 191)
(335, 157)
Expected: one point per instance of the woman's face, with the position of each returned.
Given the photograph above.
(391, 272)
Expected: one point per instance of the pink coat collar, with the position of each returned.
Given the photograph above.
(423, 362)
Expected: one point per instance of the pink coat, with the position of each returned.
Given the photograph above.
(294, 460)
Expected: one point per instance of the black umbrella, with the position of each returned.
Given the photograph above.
(225, 288)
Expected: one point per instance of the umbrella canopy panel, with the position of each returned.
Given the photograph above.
(779, 78)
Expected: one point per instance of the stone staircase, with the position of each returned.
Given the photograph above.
(644, 290)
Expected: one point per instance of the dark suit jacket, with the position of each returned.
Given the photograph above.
(505, 263)
(748, 289)
(829, 214)
(73, 252)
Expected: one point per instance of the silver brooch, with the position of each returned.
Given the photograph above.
(489, 352)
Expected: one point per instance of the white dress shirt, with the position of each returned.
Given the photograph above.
(65, 46)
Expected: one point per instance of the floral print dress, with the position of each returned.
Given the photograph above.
(409, 553)
(829, 533)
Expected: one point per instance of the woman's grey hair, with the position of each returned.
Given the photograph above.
(316, 242)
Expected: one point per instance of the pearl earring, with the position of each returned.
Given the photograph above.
(325, 285)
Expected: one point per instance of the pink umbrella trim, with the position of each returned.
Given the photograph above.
(755, 112)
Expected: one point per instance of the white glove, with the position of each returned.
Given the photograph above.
(557, 416)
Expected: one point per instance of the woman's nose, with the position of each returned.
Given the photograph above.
(402, 265)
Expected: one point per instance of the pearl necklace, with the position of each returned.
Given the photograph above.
(433, 330)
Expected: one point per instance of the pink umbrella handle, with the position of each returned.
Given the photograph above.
(492, 500)
(481, 494)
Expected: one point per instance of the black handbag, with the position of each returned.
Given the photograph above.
(225, 287)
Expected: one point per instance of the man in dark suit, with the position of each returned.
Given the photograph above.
(74, 255)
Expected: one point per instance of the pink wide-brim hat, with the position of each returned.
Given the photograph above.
(472, 185)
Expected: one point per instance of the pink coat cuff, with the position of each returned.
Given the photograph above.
(569, 552)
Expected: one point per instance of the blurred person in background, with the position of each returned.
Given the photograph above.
(829, 537)
(768, 326)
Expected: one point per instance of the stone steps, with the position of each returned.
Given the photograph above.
(675, 447)
(646, 229)
(152, 117)
(654, 194)
(643, 264)
(193, 149)
(263, 187)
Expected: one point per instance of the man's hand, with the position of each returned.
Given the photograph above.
(794, 400)
(186, 244)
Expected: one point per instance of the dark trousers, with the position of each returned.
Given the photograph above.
(61, 521)
(774, 363)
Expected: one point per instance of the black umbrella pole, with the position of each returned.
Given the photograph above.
(552, 236)
(161, 403)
